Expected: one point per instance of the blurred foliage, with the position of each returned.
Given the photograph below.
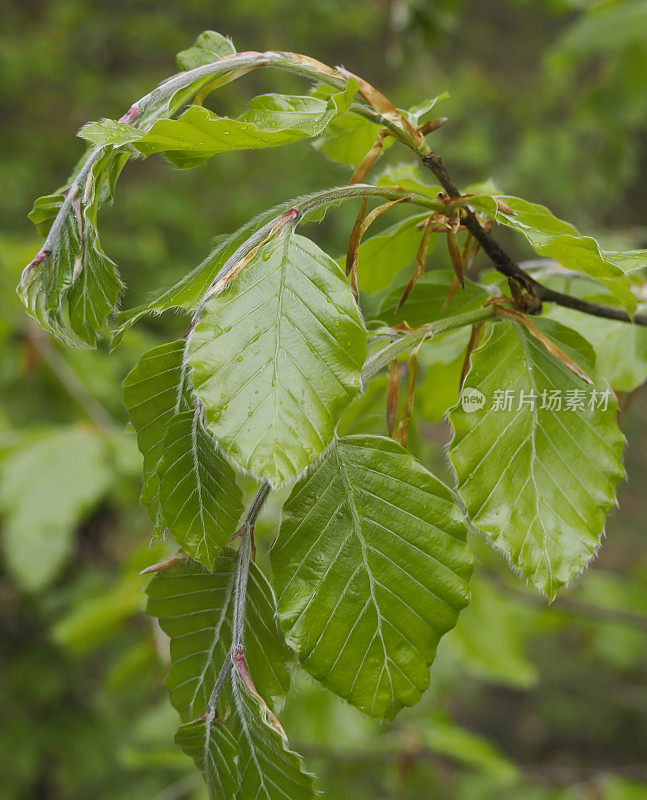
(527, 702)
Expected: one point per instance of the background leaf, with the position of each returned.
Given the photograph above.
(41, 506)
(427, 300)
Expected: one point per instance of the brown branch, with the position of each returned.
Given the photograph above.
(536, 292)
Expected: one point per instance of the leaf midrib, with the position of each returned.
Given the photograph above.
(357, 529)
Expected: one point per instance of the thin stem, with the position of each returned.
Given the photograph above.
(302, 207)
(407, 341)
(242, 566)
(220, 682)
(70, 381)
(240, 592)
(537, 292)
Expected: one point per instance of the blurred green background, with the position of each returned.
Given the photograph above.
(527, 702)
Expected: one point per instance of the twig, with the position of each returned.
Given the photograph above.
(242, 566)
(570, 605)
(70, 381)
(536, 292)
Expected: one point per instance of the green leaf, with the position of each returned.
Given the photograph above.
(416, 113)
(426, 301)
(44, 211)
(448, 739)
(47, 487)
(200, 500)
(195, 608)
(442, 363)
(538, 481)
(277, 357)
(620, 349)
(410, 177)
(188, 291)
(210, 744)
(188, 485)
(348, 138)
(269, 769)
(381, 257)
(371, 567)
(152, 393)
(71, 286)
(207, 48)
(198, 134)
(491, 635)
(553, 238)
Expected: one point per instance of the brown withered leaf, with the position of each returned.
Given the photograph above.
(504, 208)
(455, 254)
(384, 106)
(362, 224)
(476, 337)
(353, 246)
(451, 292)
(392, 394)
(167, 563)
(366, 164)
(317, 66)
(283, 220)
(421, 260)
(402, 432)
(549, 344)
(431, 126)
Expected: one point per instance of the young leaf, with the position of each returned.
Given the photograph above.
(207, 48)
(277, 357)
(47, 486)
(371, 567)
(188, 485)
(620, 349)
(538, 472)
(189, 290)
(198, 494)
(71, 286)
(152, 393)
(552, 237)
(198, 134)
(195, 608)
(269, 769)
(210, 744)
(348, 138)
(416, 113)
